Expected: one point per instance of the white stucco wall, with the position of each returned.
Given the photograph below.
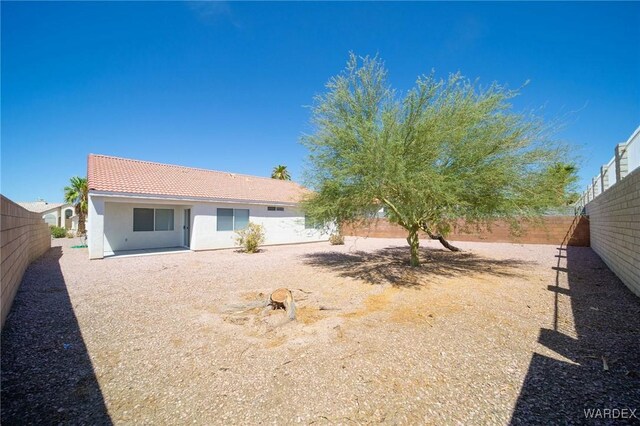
(58, 214)
(63, 217)
(283, 227)
(95, 227)
(112, 219)
(119, 234)
(52, 217)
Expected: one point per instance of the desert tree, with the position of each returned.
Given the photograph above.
(447, 150)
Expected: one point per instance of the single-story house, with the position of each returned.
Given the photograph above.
(54, 214)
(136, 205)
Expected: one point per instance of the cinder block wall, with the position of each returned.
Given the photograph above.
(615, 229)
(566, 230)
(24, 237)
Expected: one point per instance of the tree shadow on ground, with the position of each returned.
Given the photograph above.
(390, 265)
(604, 368)
(47, 374)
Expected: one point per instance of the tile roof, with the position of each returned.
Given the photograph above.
(40, 206)
(122, 175)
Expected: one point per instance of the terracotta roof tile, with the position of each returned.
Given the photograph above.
(122, 175)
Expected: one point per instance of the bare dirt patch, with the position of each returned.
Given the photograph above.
(499, 333)
(309, 315)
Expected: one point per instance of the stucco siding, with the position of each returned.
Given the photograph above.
(111, 225)
(119, 234)
(281, 227)
(57, 216)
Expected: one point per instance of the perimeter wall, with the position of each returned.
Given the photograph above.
(24, 237)
(615, 228)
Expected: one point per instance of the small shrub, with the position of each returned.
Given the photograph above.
(336, 239)
(58, 232)
(250, 238)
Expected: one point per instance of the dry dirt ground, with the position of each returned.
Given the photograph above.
(497, 334)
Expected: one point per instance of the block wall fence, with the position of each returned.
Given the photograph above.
(24, 237)
(615, 228)
(565, 230)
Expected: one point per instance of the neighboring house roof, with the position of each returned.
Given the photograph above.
(41, 206)
(122, 175)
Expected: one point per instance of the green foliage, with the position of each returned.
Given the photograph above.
(562, 180)
(250, 238)
(448, 149)
(336, 239)
(280, 172)
(58, 232)
(77, 193)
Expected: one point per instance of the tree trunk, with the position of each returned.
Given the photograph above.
(414, 244)
(81, 227)
(282, 298)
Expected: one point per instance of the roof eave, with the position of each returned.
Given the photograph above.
(133, 195)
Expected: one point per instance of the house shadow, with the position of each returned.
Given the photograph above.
(47, 375)
(599, 368)
(390, 265)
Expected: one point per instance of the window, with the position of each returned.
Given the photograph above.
(142, 220)
(232, 219)
(164, 219)
(240, 218)
(150, 219)
(225, 220)
(50, 219)
(273, 209)
(68, 213)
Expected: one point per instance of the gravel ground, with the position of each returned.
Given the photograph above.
(497, 334)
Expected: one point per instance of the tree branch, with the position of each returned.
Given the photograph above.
(438, 237)
(395, 210)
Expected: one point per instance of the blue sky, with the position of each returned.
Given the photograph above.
(224, 85)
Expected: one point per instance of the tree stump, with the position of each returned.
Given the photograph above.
(283, 299)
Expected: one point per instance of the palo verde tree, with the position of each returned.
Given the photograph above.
(445, 151)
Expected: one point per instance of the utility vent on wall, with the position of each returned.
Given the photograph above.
(273, 209)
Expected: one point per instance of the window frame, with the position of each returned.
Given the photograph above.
(233, 219)
(172, 223)
(153, 219)
(248, 219)
(154, 223)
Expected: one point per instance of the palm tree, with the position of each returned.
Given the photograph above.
(280, 172)
(77, 193)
